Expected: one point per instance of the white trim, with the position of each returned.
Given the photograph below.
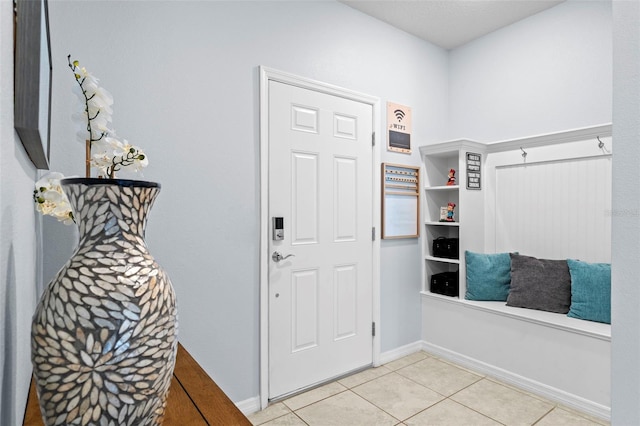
(545, 391)
(401, 352)
(546, 139)
(249, 406)
(264, 239)
(266, 75)
(377, 211)
(557, 160)
(556, 138)
(453, 145)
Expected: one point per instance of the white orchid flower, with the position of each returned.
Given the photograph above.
(103, 152)
(125, 157)
(50, 199)
(96, 113)
(136, 160)
(105, 97)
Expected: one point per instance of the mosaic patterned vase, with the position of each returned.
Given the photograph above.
(104, 334)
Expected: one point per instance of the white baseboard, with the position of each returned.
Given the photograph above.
(400, 352)
(548, 392)
(249, 406)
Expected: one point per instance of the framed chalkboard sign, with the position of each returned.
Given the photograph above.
(474, 171)
(399, 128)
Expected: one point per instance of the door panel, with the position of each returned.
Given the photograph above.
(305, 197)
(346, 302)
(304, 289)
(344, 205)
(320, 182)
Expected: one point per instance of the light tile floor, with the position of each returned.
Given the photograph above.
(419, 389)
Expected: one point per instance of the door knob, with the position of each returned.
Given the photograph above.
(277, 257)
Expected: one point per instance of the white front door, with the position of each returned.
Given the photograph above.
(320, 184)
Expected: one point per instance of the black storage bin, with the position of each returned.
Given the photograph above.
(445, 247)
(445, 283)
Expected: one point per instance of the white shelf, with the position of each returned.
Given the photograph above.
(443, 259)
(455, 224)
(442, 188)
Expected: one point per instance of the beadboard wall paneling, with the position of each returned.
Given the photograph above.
(555, 209)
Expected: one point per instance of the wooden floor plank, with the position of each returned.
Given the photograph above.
(214, 405)
(32, 415)
(194, 399)
(180, 409)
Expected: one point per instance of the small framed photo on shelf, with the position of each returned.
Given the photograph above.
(443, 214)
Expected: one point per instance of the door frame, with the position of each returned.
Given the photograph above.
(266, 75)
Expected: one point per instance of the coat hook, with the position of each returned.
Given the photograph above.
(524, 154)
(601, 145)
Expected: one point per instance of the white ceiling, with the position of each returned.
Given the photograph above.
(450, 23)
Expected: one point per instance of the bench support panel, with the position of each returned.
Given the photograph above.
(571, 366)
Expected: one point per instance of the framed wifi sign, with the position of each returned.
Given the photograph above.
(399, 128)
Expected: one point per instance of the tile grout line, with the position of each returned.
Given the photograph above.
(396, 371)
(445, 397)
(467, 407)
(301, 419)
(375, 405)
(487, 378)
(545, 415)
(346, 389)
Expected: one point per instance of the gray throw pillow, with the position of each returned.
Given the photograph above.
(540, 284)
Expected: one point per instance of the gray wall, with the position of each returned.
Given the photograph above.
(625, 296)
(184, 76)
(548, 73)
(18, 242)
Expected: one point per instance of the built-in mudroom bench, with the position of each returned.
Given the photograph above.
(522, 209)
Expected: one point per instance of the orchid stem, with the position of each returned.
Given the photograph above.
(88, 158)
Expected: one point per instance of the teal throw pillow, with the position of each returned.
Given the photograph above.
(590, 291)
(488, 276)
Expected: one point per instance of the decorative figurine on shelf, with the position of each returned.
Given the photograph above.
(450, 207)
(452, 177)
